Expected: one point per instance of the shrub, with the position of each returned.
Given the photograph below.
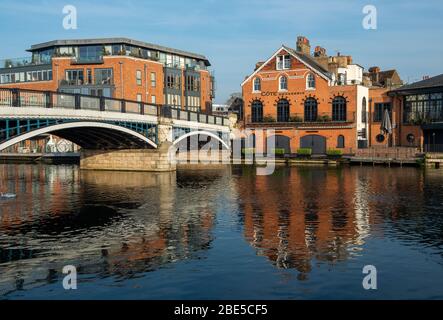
(268, 119)
(324, 118)
(248, 151)
(279, 151)
(334, 153)
(304, 152)
(296, 119)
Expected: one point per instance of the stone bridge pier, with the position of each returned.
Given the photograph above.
(154, 160)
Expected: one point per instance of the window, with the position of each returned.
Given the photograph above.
(310, 81)
(73, 77)
(257, 111)
(153, 99)
(91, 53)
(138, 75)
(379, 111)
(340, 142)
(283, 83)
(311, 109)
(153, 80)
(257, 85)
(192, 83)
(364, 110)
(423, 107)
(283, 62)
(103, 76)
(339, 109)
(283, 110)
(88, 76)
(139, 97)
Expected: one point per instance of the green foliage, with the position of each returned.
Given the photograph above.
(279, 151)
(296, 119)
(268, 119)
(248, 151)
(324, 118)
(304, 152)
(334, 153)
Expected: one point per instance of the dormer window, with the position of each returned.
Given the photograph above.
(257, 85)
(283, 83)
(310, 82)
(284, 62)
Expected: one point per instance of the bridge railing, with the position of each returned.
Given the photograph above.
(48, 99)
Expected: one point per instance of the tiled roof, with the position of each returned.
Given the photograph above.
(309, 61)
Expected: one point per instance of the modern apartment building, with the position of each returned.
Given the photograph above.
(115, 67)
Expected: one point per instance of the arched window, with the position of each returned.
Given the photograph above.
(364, 110)
(283, 83)
(310, 81)
(340, 142)
(283, 110)
(257, 84)
(339, 109)
(257, 111)
(311, 109)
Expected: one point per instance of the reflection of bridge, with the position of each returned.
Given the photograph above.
(98, 123)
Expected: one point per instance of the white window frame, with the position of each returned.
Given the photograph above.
(308, 85)
(281, 62)
(280, 88)
(254, 84)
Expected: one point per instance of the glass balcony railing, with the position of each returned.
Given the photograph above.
(20, 62)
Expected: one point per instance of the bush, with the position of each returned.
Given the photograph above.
(304, 152)
(324, 118)
(296, 119)
(248, 151)
(334, 153)
(268, 119)
(279, 151)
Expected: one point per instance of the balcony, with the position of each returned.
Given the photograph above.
(324, 119)
(420, 118)
(21, 62)
(80, 82)
(87, 60)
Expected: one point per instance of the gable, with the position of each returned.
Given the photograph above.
(296, 63)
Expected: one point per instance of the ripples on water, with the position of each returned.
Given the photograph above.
(227, 233)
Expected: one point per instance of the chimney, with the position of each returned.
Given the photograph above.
(258, 65)
(319, 52)
(374, 73)
(303, 45)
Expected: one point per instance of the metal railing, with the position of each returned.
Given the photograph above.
(419, 118)
(305, 118)
(21, 98)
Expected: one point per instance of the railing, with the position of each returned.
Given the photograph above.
(419, 118)
(305, 119)
(80, 82)
(382, 152)
(87, 60)
(22, 98)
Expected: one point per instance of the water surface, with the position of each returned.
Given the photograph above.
(302, 233)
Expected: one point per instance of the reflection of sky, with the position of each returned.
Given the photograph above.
(235, 34)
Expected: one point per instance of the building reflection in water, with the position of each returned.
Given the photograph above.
(301, 217)
(115, 224)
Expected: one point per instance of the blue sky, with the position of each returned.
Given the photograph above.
(235, 34)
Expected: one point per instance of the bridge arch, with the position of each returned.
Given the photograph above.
(206, 133)
(90, 135)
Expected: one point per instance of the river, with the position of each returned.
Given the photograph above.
(302, 233)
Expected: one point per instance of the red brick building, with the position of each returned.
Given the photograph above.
(310, 101)
(115, 67)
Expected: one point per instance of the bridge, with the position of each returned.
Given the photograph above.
(113, 133)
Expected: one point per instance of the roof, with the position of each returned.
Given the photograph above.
(109, 41)
(433, 82)
(308, 61)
